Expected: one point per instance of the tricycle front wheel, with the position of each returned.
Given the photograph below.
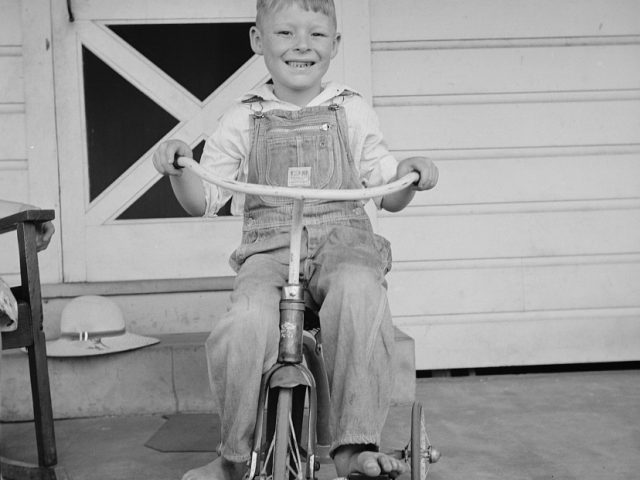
(422, 452)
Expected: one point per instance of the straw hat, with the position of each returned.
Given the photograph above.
(94, 325)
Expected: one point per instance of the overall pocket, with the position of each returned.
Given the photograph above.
(313, 151)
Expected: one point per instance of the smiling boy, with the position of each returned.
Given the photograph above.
(321, 136)
(297, 72)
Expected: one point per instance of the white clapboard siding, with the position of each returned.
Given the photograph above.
(514, 231)
(519, 123)
(506, 69)
(436, 289)
(528, 251)
(12, 140)
(411, 20)
(10, 24)
(12, 122)
(11, 78)
(13, 180)
(511, 313)
(13, 164)
(539, 175)
(525, 338)
(13, 186)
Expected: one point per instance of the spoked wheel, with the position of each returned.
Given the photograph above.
(421, 451)
(286, 460)
(281, 457)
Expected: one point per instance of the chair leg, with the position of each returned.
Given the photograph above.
(31, 336)
(42, 410)
(38, 367)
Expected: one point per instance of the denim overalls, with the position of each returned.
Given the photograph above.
(343, 263)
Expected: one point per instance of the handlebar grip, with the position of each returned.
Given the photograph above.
(175, 163)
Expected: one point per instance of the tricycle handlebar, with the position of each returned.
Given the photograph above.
(295, 193)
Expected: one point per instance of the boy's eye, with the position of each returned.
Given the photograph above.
(285, 33)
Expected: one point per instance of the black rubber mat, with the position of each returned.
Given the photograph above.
(196, 432)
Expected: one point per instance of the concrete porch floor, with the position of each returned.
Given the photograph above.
(571, 425)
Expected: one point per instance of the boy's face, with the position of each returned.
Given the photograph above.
(298, 46)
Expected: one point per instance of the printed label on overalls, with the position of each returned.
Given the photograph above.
(299, 177)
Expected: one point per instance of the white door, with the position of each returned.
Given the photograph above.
(129, 75)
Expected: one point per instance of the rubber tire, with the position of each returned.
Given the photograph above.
(419, 443)
(281, 454)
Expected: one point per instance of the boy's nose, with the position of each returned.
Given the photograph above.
(302, 43)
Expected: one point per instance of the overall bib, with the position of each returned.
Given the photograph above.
(343, 263)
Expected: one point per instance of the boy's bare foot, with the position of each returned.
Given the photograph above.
(219, 469)
(354, 458)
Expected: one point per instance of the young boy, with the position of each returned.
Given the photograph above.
(301, 132)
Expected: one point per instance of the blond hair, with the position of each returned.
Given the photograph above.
(327, 7)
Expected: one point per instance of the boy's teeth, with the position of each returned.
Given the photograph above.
(300, 64)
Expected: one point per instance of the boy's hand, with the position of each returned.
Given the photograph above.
(166, 153)
(424, 167)
(45, 232)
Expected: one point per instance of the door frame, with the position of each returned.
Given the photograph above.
(40, 125)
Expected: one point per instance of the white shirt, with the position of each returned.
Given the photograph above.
(226, 151)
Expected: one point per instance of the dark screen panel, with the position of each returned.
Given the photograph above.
(122, 123)
(200, 56)
(160, 202)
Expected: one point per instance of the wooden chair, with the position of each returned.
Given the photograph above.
(30, 334)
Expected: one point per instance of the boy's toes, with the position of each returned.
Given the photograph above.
(369, 464)
(373, 464)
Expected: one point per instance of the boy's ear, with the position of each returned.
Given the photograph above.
(336, 44)
(256, 40)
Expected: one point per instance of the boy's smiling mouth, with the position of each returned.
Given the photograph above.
(300, 64)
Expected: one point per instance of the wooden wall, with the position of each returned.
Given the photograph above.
(13, 158)
(28, 156)
(14, 181)
(528, 251)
